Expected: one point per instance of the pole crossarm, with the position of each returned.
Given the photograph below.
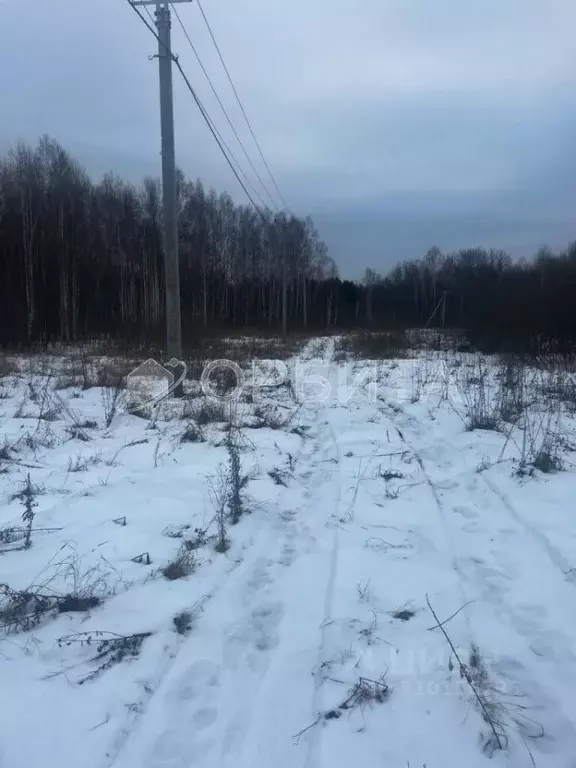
(158, 2)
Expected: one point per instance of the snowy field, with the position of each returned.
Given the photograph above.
(398, 589)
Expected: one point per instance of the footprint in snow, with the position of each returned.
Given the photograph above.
(260, 577)
(196, 678)
(177, 749)
(466, 512)
(204, 717)
(472, 527)
(254, 635)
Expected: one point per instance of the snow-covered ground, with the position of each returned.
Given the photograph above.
(311, 642)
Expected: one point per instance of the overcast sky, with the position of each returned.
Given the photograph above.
(397, 124)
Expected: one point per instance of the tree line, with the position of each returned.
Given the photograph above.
(83, 260)
(501, 304)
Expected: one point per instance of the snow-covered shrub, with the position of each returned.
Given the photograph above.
(480, 397)
(183, 564)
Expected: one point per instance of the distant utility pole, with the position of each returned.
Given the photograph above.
(441, 301)
(169, 202)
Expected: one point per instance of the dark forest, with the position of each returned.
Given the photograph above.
(82, 260)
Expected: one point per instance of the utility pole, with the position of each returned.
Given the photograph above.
(169, 200)
(281, 227)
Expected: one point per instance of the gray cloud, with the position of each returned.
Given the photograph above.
(397, 123)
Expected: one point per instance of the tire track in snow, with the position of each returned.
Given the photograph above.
(248, 642)
(253, 571)
(540, 538)
(555, 557)
(446, 528)
(552, 553)
(139, 710)
(323, 481)
(316, 452)
(330, 453)
(555, 651)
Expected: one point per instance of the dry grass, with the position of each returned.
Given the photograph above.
(184, 563)
(210, 412)
(480, 395)
(270, 416)
(244, 348)
(372, 345)
(111, 649)
(364, 693)
(183, 623)
(192, 433)
(7, 366)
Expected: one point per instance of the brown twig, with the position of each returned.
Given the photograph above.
(439, 626)
(466, 674)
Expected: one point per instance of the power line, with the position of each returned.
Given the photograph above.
(224, 148)
(221, 143)
(148, 14)
(229, 76)
(222, 107)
